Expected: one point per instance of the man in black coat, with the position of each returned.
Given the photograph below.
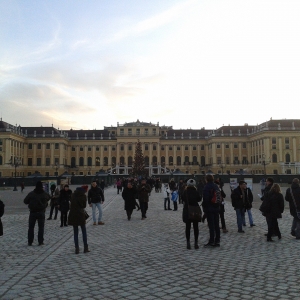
(37, 201)
(95, 199)
(241, 200)
(293, 193)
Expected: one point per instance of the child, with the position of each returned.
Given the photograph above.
(1, 214)
(166, 193)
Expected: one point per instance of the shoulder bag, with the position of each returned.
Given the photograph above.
(194, 212)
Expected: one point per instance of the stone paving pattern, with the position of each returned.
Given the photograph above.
(145, 259)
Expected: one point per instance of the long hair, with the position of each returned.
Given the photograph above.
(276, 188)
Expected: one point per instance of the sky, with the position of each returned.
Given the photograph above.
(183, 63)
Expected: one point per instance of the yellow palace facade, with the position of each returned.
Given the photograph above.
(272, 147)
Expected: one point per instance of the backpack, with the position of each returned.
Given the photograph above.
(1, 208)
(174, 196)
(216, 197)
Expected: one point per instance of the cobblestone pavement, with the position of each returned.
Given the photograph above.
(146, 259)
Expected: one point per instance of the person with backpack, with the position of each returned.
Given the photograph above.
(1, 215)
(37, 201)
(211, 207)
(241, 200)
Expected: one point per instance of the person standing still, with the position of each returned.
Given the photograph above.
(96, 199)
(54, 198)
(144, 190)
(37, 201)
(1, 215)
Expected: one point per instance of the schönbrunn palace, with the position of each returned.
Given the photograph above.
(272, 147)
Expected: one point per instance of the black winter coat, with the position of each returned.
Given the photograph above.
(129, 198)
(275, 205)
(190, 197)
(64, 200)
(37, 200)
(288, 197)
(240, 203)
(95, 195)
(78, 204)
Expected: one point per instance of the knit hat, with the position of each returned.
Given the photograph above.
(39, 185)
(191, 182)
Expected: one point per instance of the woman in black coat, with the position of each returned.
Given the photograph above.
(64, 204)
(129, 194)
(275, 207)
(190, 197)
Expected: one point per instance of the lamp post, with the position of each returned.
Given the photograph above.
(15, 162)
(222, 166)
(263, 162)
(56, 167)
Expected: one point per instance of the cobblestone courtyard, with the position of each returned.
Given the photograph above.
(145, 259)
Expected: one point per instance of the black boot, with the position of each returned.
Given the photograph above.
(188, 245)
(76, 250)
(196, 245)
(86, 249)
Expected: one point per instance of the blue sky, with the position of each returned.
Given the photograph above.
(185, 63)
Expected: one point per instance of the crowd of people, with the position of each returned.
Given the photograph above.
(207, 197)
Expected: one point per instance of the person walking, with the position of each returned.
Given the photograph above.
(144, 190)
(119, 185)
(129, 194)
(37, 201)
(212, 210)
(293, 197)
(240, 202)
(96, 199)
(267, 190)
(77, 217)
(222, 206)
(102, 185)
(64, 204)
(166, 193)
(273, 210)
(54, 192)
(190, 197)
(22, 187)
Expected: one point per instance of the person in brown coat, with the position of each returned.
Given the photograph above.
(77, 217)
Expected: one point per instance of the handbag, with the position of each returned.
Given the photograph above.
(194, 212)
(297, 211)
(86, 215)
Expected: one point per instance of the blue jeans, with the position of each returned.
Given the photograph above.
(296, 227)
(240, 215)
(33, 217)
(249, 216)
(84, 235)
(214, 227)
(98, 205)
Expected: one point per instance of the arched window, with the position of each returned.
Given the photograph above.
(1, 162)
(81, 161)
(97, 161)
(186, 160)
(130, 160)
(105, 161)
(73, 162)
(195, 162)
(154, 160)
(274, 158)
(122, 161)
(146, 159)
(113, 160)
(163, 160)
(287, 158)
(170, 160)
(202, 161)
(90, 161)
(178, 161)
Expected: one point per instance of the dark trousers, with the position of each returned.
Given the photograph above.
(129, 213)
(119, 189)
(144, 208)
(137, 205)
(63, 217)
(175, 205)
(273, 227)
(1, 228)
(84, 235)
(40, 218)
(51, 211)
(167, 200)
(214, 229)
(188, 226)
(222, 219)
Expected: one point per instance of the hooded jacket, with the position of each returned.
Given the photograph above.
(37, 200)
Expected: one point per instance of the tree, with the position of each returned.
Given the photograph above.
(138, 168)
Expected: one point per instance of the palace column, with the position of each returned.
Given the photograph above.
(61, 154)
(280, 149)
(43, 155)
